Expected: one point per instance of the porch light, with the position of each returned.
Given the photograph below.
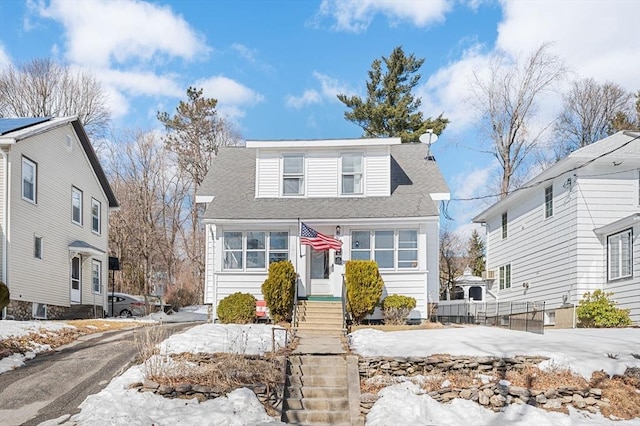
(338, 230)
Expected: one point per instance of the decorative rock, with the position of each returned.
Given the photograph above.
(488, 392)
(551, 393)
(150, 385)
(183, 388)
(497, 400)
(519, 391)
(553, 404)
(368, 397)
(590, 400)
(595, 391)
(165, 389)
(541, 399)
(567, 399)
(483, 399)
(465, 393)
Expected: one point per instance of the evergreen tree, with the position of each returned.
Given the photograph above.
(390, 109)
(476, 253)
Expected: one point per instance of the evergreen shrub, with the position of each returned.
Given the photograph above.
(396, 308)
(279, 290)
(237, 308)
(364, 288)
(4, 295)
(598, 310)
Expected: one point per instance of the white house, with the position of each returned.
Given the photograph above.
(54, 207)
(378, 196)
(572, 229)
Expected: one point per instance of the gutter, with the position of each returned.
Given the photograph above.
(5, 219)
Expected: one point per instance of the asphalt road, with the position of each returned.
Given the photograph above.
(54, 384)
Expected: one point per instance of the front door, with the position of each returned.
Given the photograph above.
(76, 279)
(319, 267)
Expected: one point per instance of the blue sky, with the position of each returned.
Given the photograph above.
(276, 66)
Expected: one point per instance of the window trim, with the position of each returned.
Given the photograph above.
(396, 247)
(34, 165)
(359, 155)
(97, 218)
(548, 201)
(78, 191)
(95, 263)
(300, 176)
(504, 277)
(38, 247)
(629, 232)
(244, 250)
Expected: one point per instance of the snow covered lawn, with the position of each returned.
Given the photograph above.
(582, 350)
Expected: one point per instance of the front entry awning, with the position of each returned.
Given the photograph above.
(85, 249)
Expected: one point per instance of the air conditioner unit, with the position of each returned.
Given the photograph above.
(489, 275)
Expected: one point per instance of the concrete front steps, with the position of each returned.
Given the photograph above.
(319, 316)
(317, 391)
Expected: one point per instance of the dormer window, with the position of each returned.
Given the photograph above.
(351, 173)
(293, 174)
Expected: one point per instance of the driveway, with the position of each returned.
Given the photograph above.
(55, 383)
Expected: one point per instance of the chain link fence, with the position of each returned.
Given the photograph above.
(522, 316)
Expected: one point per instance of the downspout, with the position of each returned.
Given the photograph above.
(5, 219)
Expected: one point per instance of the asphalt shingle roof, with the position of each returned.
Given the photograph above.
(231, 181)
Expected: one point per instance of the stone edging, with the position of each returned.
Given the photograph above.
(492, 395)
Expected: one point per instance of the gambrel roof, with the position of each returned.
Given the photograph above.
(231, 183)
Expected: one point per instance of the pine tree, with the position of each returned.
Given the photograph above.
(476, 253)
(390, 109)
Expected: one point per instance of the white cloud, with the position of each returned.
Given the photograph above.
(232, 96)
(598, 39)
(99, 32)
(309, 97)
(328, 90)
(5, 59)
(357, 15)
(139, 83)
(245, 52)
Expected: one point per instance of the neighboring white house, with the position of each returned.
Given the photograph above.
(54, 210)
(378, 196)
(572, 229)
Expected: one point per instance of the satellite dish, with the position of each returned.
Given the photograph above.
(428, 138)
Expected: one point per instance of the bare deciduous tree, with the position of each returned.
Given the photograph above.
(506, 101)
(194, 135)
(44, 88)
(452, 260)
(146, 231)
(589, 111)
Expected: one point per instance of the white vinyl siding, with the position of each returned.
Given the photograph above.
(267, 175)
(322, 175)
(29, 180)
(58, 170)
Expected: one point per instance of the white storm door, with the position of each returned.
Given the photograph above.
(76, 279)
(319, 271)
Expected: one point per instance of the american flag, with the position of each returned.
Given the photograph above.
(313, 238)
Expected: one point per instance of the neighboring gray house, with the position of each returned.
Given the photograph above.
(378, 196)
(54, 209)
(572, 229)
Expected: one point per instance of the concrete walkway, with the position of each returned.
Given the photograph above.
(320, 342)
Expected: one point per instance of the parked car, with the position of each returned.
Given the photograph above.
(125, 305)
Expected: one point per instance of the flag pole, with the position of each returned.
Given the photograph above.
(299, 245)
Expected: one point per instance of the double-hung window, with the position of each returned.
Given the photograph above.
(505, 276)
(96, 276)
(619, 255)
(351, 173)
(390, 249)
(250, 250)
(76, 206)
(29, 179)
(293, 174)
(95, 215)
(548, 201)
